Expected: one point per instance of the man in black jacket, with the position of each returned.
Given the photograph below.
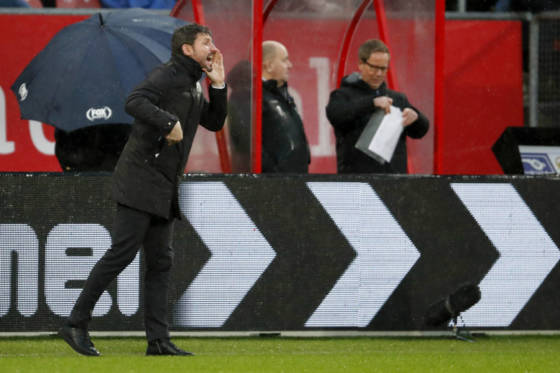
(284, 144)
(351, 106)
(167, 107)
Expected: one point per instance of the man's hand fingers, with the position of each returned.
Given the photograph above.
(218, 58)
(383, 103)
(409, 116)
(217, 75)
(175, 135)
(387, 103)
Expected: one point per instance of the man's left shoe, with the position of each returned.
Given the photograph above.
(79, 340)
(165, 347)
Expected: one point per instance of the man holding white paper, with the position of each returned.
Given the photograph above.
(361, 98)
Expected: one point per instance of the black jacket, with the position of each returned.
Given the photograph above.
(284, 144)
(147, 173)
(349, 110)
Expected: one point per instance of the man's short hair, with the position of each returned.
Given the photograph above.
(186, 35)
(371, 46)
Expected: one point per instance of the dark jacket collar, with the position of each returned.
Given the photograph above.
(355, 80)
(271, 85)
(190, 65)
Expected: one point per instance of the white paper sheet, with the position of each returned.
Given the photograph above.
(387, 136)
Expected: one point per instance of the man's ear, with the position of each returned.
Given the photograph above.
(267, 65)
(361, 66)
(187, 49)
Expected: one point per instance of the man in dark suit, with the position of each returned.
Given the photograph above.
(167, 107)
(284, 144)
(359, 96)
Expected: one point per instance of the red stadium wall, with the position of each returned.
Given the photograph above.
(483, 94)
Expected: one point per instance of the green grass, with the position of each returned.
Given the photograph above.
(487, 354)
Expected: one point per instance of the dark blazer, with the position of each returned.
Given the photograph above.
(349, 110)
(284, 144)
(147, 173)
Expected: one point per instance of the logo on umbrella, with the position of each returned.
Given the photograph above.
(101, 113)
(22, 91)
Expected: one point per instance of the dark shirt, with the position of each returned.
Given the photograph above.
(284, 144)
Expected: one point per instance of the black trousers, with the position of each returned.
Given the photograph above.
(133, 229)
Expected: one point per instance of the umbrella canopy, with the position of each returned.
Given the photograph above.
(84, 74)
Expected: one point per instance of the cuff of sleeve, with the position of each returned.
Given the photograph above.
(169, 126)
(216, 86)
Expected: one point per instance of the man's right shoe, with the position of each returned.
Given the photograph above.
(165, 347)
(79, 340)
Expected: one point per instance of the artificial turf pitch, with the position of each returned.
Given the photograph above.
(486, 354)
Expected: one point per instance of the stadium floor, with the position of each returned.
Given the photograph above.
(286, 354)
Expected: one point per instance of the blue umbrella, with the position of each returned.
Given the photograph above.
(84, 74)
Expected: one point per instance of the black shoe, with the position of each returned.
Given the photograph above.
(165, 347)
(79, 340)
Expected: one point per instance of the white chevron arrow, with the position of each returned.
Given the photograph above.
(240, 254)
(527, 254)
(385, 254)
